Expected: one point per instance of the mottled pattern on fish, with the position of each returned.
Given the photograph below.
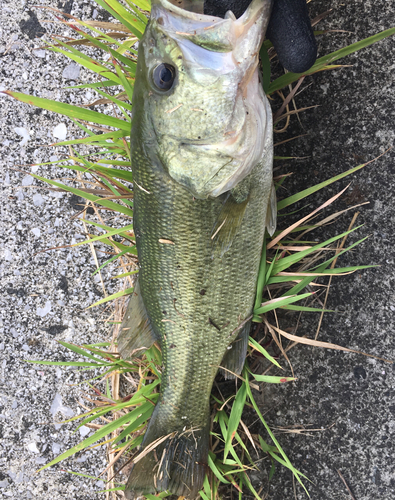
(195, 299)
(196, 282)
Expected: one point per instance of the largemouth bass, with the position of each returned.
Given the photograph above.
(201, 146)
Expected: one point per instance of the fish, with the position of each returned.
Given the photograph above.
(201, 157)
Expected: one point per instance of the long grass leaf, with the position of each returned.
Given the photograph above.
(67, 363)
(307, 192)
(71, 111)
(280, 302)
(112, 232)
(286, 262)
(87, 196)
(93, 138)
(322, 62)
(87, 62)
(307, 309)
(216, 471)
(144, 417)
(79, 350)
(235, 416)
(299, 286)
(253, 343)
(119, 13)
(273, 438)
(270, 379)
(114, 296)
(261, 277)
(99, 434)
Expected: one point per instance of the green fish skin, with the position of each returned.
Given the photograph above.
(203, 194)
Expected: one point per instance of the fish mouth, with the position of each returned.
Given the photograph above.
(185, 19)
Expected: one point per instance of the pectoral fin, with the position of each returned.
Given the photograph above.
(271, 214)
(228, 223)
(235, 356)
(136, 331)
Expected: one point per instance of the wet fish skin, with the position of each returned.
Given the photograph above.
(197, 276)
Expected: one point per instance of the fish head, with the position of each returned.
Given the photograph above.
(199, 110)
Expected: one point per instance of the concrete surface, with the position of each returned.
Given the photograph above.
(44, 295)
(353, 124)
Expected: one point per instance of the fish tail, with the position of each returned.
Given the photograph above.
(175, 462)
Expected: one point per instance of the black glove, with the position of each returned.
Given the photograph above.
(289, 29)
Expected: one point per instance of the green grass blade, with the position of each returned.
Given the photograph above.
(266, 448)
(100, 201)
(320, 267)
(67, 363)
(204, 496)
(261, 277)
(86, 62)
(269, 379)
(247, 482)
(307, 309)
(307, 192)
(273, 438)
(116, 256)
(322, 62)
(114, 296)
(115, 100)
(281, 302)
(95, 85)
(337, 271)
(100, 138)
(235, 416)
(144, 417)
(99, 434)
(79, 350)
(112, 232)
(253, 343)
(125, 82)
(265, 73)
(124, 275)
(216, 471)
(123, 16)
(286, 262)
(299, 286)
(71, 111)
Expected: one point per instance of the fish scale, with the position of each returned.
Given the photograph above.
(198, 254)
(173, 277)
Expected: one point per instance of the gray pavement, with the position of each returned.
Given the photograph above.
(353, 124)
(44, 295)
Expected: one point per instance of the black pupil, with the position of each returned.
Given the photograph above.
(164, 76)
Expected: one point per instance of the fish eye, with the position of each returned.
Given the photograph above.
(163, 76)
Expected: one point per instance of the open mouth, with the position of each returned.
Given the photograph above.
(196, 6)
(186, 18)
